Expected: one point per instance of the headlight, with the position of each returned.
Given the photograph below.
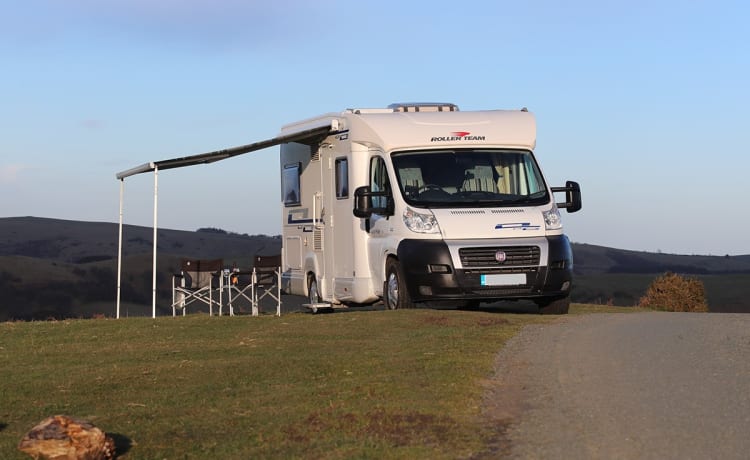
(552, 219)
(419, 222)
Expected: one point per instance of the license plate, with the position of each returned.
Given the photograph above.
(510, 279)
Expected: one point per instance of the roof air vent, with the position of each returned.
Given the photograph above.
(423, 107)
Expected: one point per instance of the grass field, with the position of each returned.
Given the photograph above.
(374, 384)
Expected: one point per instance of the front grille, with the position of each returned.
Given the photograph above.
(501, 292)
(493, 271)
(485, 256)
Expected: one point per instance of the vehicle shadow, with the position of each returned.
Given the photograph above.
(517, 307)
(511, 307)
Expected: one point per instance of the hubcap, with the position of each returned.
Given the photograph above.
(392, 291)
(314, 298)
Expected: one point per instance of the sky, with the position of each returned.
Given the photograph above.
(644, 103)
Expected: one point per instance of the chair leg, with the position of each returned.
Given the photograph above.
(278, 292)
(221, 292)
(255, 292)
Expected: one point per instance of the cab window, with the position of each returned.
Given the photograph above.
(379, 182)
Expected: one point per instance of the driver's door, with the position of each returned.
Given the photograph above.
(380, 226)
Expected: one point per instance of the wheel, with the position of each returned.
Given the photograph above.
(396, 295)
(554, 305)
(313, 295)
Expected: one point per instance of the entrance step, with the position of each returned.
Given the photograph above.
(314, 307)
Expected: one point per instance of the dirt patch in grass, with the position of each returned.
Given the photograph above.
(484, 321)
(463, 321)
(395, 428)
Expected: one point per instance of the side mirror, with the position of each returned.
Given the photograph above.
(572, 196)
(362, 202)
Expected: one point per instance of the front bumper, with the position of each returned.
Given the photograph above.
(539, 267)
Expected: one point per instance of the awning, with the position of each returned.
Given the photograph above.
(210, 157)
(307, 133)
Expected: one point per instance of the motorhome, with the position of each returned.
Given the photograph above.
(421, 202)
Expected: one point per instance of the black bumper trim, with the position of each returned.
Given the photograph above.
(418, 257)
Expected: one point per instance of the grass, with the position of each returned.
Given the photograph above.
(375, 384)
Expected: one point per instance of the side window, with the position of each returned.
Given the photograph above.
(342, 178)
(290, 185)
(379, 182)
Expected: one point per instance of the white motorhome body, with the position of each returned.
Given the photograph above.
(421, 202)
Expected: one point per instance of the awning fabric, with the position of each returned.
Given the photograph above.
(210, 157)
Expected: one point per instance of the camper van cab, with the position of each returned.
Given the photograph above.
(422, 202)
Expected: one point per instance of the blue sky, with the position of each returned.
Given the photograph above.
(644, 103)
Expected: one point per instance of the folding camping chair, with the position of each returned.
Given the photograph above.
(239, 285)
(196, 283)
(266, 281)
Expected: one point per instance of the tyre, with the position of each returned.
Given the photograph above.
(395, 295)
(313, 294)
(554, 305)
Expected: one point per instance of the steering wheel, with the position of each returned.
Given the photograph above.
(427, 187)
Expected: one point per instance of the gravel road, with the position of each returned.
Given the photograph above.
(630, 386)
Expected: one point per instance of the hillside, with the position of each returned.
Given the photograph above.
(594, 260)
(51, 268)
(60, 268)
(620, 277)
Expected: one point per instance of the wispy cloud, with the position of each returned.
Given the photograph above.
(205, 20)
(9, 174)
(92, 124)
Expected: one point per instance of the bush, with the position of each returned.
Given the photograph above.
(672, 292)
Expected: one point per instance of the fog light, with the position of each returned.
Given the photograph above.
(558, 264)
(565, 286)
(425, 290)
(438, 268)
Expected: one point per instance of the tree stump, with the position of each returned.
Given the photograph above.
(61, 437)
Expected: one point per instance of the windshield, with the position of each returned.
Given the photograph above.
(470, 177)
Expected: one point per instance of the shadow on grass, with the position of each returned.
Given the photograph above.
(507, 306)
(3, 426)
(503, 306)
(122, 443)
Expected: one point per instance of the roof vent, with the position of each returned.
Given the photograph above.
(423, 107)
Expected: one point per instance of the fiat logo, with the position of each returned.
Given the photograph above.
(500, 256)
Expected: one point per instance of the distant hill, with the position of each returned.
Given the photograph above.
(620, 277)
(52, 268)
(594, 260)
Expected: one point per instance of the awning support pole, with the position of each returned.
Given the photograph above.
(119, 249)
(153, 269)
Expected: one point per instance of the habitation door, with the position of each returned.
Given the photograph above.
(302, 225)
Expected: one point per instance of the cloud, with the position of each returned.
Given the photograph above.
(92, 124)
(205, 20)
(9, 173)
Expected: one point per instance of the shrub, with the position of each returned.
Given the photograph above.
(672, 292)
